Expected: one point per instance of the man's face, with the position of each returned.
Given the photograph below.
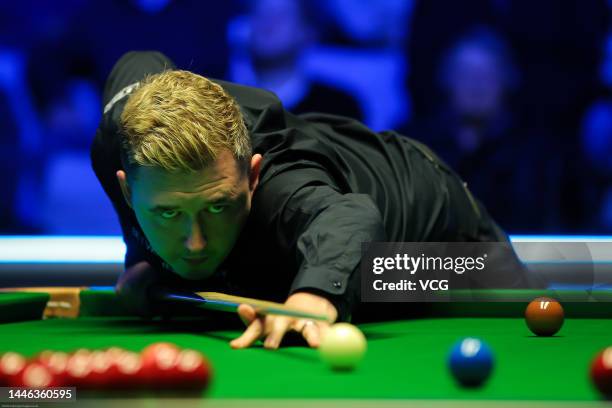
(192, 220)
(278, 30)
(476, 83)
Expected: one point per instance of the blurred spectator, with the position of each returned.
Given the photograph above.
(72, 201)
(355, 53)
(73, 114)
(365, 56)
(25, 23)
(557, 39)
(21, 147)
(188, 31)
(596, 140)
(48, 185)
(268, 52)
(559, 43)
(437, 24)
(476, 131)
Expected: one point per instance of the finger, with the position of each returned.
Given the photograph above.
(252, 333)
(247, 314)
(299, 325)
(280, 325)
(313, 333)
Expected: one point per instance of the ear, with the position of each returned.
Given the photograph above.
(125, 188)
(255, 169)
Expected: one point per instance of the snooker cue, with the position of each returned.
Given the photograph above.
(205, 300)
(229, 303)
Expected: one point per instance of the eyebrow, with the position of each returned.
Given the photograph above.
(217, 200)
(160, 208)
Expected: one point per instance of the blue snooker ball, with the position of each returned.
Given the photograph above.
(471, 362)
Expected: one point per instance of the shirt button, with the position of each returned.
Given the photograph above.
(337, 284)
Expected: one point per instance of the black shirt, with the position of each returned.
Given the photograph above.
(323, 98)
(327, 184)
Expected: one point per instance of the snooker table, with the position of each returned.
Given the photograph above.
(405, 364)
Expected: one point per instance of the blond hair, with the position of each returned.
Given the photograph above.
(180, 122)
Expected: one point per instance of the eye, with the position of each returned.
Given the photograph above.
(216, 208)
(169, 214)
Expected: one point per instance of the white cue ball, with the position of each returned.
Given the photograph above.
(343, 346)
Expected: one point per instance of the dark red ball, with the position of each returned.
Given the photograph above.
(158, 361)
(101, 370)
(601, 372)
(11, 365)
(128, 372)
(192, 371)
(78, 369)
(36, 375)
(56, 362)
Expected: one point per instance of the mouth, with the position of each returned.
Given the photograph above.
(195, 261)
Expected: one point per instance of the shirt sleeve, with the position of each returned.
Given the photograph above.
(322, 229)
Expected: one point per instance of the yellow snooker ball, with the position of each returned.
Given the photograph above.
(343, 346)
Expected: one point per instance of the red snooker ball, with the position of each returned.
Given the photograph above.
(78, 369)
(35, 375)
(11, 366)
(114, 357)
(544, 316)
(155, 348)
(114, 353)
(56, 362)
(128, 372)
(100, 370)
(601, 372)
(158, 361)
(191, 371)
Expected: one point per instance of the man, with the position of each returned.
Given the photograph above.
(479, 132)
(218, 187)
(272, 56)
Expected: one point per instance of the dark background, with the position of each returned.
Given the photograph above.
(515, 95)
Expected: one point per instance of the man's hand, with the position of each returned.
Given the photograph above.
(274, 327)
(133, 287)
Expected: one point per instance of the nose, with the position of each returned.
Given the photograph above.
(196, 241)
